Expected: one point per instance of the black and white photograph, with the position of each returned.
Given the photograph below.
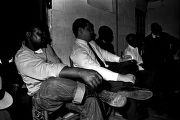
(90, 60)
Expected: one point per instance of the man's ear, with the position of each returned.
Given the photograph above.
(28, 35)
(80, 30)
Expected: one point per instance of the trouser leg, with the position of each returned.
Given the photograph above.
(124, 67)
(129, 111)
(55, 92)
(91, 110)
(145, 79)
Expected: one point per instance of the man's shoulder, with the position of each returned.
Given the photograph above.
(77, 46)
(148, 38)
(94, 43)
(127, 49)
(20, 51)
(23, 51)
(78, 49)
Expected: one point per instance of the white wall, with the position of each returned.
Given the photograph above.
(62, 15)
(167, 14)
(126, 21)
(64, 12)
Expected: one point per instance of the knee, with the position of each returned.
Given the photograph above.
(56, 81)
(52, 81)
(92, 101)
(60, 85)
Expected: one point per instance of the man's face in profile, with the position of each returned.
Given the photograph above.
(87, 33)
(38, 38)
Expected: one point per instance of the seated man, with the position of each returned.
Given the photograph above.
(83, 56)
(132, 49)
(53, 84)
(87, 54)
(144, 76)
(105, 38)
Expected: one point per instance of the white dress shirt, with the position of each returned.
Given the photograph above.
(36, 66)
(134, 53)
(82, 56)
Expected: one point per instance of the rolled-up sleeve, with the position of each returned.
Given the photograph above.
(108, 56)
(35, 67)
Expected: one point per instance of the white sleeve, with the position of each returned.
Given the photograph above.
(35, 67)
(107, 55)
(82, 59)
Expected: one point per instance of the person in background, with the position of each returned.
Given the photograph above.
(53, 84)
(144, 78)
(83, 56)
(158, 57)
(132, 49)
(156, 48)
(105, 39)
(6, 101)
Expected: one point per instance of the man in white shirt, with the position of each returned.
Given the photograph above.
(86, 56)
(83, 56)
(132, 49)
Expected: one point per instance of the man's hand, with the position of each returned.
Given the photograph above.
(91, 77)
(125, 58)
(127, 78)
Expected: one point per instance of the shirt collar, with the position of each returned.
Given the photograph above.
(131, 47)
(153, 36)
(37, 51)
(81, 41)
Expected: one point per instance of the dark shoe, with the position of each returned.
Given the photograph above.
(119, 99)
(113, 99)
(136, 93)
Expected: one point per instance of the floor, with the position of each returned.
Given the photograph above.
(168, 108)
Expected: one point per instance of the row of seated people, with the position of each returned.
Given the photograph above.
(52, 84)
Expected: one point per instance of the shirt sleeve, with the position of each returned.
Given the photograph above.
(35, 67)
(81, 58)
(107, 55)
(127, 51)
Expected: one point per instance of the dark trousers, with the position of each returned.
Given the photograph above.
(143, 78)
